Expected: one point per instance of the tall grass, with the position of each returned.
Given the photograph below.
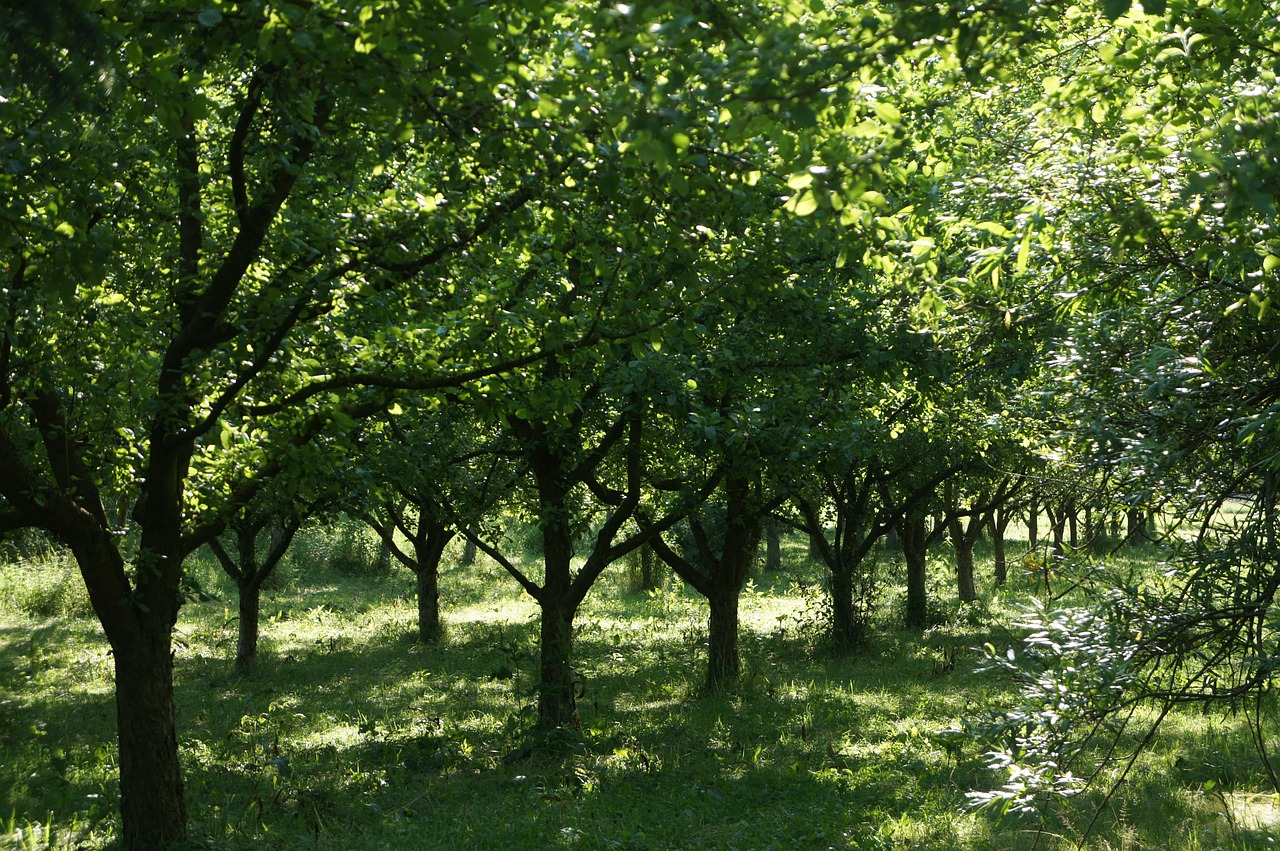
(351, 735)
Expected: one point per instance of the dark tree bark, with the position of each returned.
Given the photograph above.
(152, 801)
(247, 644)
(723, 659)
(721, 573)
(1136, 519)
(1000, 519)
(965, 526)
(914, 535)
(773, 545)
(557, 467)
(249, 573)
(1033, 523)
(428, 533)
(650, 571)
(966, 590)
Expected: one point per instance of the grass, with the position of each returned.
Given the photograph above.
(349, 734)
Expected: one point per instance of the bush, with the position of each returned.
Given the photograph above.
(344, 546)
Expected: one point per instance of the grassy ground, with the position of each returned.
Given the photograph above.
(350, 735)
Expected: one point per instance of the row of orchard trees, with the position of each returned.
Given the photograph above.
(600, 266)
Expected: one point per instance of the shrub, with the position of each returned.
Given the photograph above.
(344, 546)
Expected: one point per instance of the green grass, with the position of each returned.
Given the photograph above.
(351, 735)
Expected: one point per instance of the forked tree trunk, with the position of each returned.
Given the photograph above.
(963, 539)
(1058, 528)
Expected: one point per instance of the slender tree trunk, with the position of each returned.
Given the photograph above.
(723, 660)
(1033, 524)
(650, 574)
(428, 550)
(1058, 525)
(556, 702)
(773, 545)
(151, 790)
(999, 523)
(914, 551)
(1073, 527)
(468, 554)
(965, 587)
(1137, 524)
(250, 594)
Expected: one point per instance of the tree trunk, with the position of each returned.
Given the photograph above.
(1000, 522)
(1033, 524)
(964, 570)
(427, 586)
(723, 660)
(1058, 526)
(468, 554)
(1137, 523)
(250, 594)
(1073, 527)
(914, 550)
(650, 572)
(557, 704)
(151, 791)
(773, 545)
(845, 630)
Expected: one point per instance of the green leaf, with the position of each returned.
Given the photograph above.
(1115, 8)
(210, 17)
(803, 203)
(65, 229)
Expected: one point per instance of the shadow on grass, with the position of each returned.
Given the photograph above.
(349, 733)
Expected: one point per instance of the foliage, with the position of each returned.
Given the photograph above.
(344, 546)
(43, 586)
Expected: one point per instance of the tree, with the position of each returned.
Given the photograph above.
(249, 569)
(966, 523)
(1164, 269)
(209, 261)
(437, 471)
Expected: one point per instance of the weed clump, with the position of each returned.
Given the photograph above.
(46, 585)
